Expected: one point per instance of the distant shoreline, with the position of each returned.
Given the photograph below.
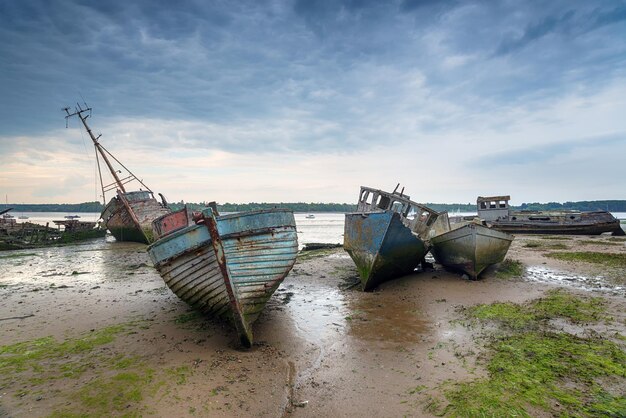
(300, 207)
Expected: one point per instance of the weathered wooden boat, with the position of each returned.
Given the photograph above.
(75, 230)
(496, 211)
(470, 247)
(24, 235)
(129, 214)
(388, 235)
(226, 266)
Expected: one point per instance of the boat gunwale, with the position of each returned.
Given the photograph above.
(259, 231)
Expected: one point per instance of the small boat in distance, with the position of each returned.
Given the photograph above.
(470, 247)
(226, 266)
(310, 216)
(388, 235)
(495, 210)
(128, 215)
(7, 220)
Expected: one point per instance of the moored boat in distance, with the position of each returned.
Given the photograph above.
(129, 214)
(495, 210)
(226, 266)
(388, 235)
(470, 247)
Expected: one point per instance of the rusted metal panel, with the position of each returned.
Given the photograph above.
(228, 266)
(470, 248)
(388, 235)
(381, 246)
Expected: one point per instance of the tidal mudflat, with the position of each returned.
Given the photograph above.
(91, 330)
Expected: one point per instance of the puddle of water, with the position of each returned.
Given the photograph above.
(92, 262)
(340, 256)
(547, 275)
(318, 311)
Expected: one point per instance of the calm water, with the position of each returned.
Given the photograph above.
(324, 227)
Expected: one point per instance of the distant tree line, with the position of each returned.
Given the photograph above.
(296, 207)
(452, 207)
(56, 207)
(585, 205)
(610, 205)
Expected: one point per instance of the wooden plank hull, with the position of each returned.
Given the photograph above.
(381, 246)
(119, 221)
(258, 249)
(470, 249)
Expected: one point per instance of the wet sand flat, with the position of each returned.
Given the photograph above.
(106, 337)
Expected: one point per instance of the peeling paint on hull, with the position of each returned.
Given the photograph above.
(121, 224)
(259, 250)
(470, 249)
(381, 246)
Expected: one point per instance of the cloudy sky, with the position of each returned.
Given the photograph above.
(306, 100)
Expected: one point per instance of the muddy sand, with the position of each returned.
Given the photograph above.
(107, 338)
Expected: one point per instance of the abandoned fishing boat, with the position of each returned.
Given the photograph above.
(75, 230)
(226, 266)
(470, 247)
(388, 235)
(24, 235)
(495, 210)
(129, 214)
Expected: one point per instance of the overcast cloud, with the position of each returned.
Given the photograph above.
(306, 100)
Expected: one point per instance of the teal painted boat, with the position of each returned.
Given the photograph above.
(226, 266)
(388, 236)
(470, 248)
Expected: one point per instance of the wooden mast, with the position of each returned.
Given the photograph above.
(83, 118)
(119, 183)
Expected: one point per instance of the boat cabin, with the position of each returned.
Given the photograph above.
(492, 208)
(138, 196)
(419, 218)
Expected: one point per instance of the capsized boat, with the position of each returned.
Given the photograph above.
(470, 247)
(226, 266)
(388, 235)
(129, 214)
(498, 214)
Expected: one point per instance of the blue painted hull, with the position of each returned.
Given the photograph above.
(234, 275)
(381, 246)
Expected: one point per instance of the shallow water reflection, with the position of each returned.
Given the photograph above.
(94, 261)
(547, 275)
(317, 310)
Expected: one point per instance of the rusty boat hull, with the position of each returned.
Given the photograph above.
(586, 223)
(470, 248)
(128, 216)
(381, 246)
(228, 266)
(497, 212)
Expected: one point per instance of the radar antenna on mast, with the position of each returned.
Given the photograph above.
(83, 113)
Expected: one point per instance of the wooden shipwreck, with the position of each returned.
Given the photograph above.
(129, 214)
(226, 266)
(388, 235)
(495, 210)
(21, 235)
